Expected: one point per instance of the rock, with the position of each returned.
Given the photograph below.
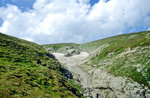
(90, 72)
(139, 70)
(134, 92)
(67, 55)
(38, 61)
(147, 95)
(148, 56)
(100, 79)
(72, 52)
(51, 56)
(146, 88)
(121, 94)
(66, 73)
(44, 64)
(107, 93)
(148, 91)
(50, 49)
(117, 83)
(132, 85)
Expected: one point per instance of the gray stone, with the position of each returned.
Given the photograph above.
(71, 52)
(100, 79)
(147, 95)
(50, 49)
(148, 56)
(117, 83)
(67, 55)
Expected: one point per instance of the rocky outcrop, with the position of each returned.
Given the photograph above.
(105, 85)
(72, 52)
(66, 73)
(50, 50)
(51, 56)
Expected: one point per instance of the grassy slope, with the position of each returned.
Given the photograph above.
(21, 76)
(124, 40)
(124, 55)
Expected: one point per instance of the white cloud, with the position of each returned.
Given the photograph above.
(74, 20)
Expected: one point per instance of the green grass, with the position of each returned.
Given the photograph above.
(119, 42)
(22, 76)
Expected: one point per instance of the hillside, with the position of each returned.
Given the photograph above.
(28, 70)
(118, 66)
(124, 55)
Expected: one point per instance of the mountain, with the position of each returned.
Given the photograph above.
(28, 70)
(118, 66)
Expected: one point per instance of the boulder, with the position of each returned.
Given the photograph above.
(117, 83)
(51, 56)
(71, 52)
(67, 55)
(50, 49)
(148, 56)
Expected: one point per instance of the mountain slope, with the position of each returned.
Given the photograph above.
(27, 70)
(124, 55)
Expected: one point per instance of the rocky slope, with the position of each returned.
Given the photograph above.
(100, 83)
(116, 67)
(71, 63)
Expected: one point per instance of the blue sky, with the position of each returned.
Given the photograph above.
(1, 21)
(23, 5)
(92, 2)
(54, 21)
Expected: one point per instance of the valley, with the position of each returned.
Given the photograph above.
(75, 49)
(116, 67)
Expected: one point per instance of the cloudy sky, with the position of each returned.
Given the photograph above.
(55, 21)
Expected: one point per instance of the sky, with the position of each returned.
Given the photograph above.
(79, 21)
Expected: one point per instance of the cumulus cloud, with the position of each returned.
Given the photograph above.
(53, 21)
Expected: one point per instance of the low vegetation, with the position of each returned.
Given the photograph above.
(27, 70)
